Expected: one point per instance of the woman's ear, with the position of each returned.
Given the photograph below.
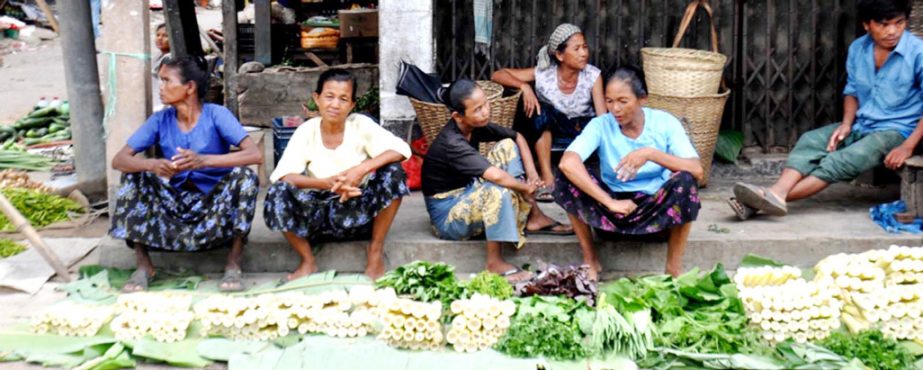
(643, 101)
(457, 117)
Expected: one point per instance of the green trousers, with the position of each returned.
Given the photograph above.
(856, 154)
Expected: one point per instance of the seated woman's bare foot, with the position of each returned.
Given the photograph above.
(375, 268)
(595, 269)
(674, 271)
(304, 269)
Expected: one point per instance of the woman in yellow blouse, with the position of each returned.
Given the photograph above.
(338, 179)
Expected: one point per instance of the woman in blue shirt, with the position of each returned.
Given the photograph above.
(647, 174)
(197, 195)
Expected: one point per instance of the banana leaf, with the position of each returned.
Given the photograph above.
(728, 146)
(311, 284)
(183, 353)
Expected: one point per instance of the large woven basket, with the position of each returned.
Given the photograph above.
(685, 72)
(502, 112)
(916, 18)
(701, 117)
(433, 116)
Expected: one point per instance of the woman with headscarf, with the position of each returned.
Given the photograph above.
(568, 93)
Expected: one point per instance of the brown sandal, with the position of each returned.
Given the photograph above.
(759, 198)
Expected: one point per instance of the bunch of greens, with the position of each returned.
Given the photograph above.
(787, 355)
(424, 281)
(695, 312)
(872, 348)
(491, 284)
(9, 248)
(39, 208)
(628, 335)
(552, 327)
(571, 281)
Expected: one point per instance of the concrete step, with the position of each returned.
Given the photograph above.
(836, 221)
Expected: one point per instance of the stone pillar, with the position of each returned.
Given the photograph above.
(128, 97)
(405, 33)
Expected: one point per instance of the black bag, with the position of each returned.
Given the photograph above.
(419, 85)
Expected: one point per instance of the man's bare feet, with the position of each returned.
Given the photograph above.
(304, 269)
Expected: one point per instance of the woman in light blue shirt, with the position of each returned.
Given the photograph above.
(647, 177)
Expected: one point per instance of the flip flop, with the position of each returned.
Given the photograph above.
(509, 275)
(743, 212)
(759, 198)
(231, 281)
(138, 282)
(550, 230)
(543, 195)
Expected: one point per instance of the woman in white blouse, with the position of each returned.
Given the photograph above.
(338, 179)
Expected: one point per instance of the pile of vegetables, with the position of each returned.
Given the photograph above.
(39, 208)
(489, 284)
(9, 248)
(571, 281)
(785, 306)
(411, 324)
(479, 322)
(424, 281)
(872, 348)
(630, 336)
(42, 125)
(549, 327)
(165, 317)
(21, 180)
(72, 319)
(269, 316)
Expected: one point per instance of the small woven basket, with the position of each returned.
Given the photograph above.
(701, 117)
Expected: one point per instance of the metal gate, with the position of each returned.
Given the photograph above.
(786, 57)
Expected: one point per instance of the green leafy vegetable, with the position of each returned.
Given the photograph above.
(9, 248)
(872, 348)
(630, 335)
(425, 281)
(39, 208)
(491, 284)
(728, 146)
(548, 326)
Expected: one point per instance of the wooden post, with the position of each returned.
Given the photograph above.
(263, 33)
(23, 226)
(229, 28)
(128, 96)
(182, 28)
(49, 14)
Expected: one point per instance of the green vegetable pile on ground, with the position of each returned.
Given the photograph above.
(39, 208)
(21, 160)
(43, 125)
(872, 348)
(491, 284)
(552, 327)
(9, 248)
(695, 312)
(424, 281)
(628, 335)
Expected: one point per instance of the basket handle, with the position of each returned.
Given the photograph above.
(687, 19)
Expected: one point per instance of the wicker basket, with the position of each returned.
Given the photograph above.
(916, 18)
(685, 72)
(433, 116)
(701, 117)
(502, 112)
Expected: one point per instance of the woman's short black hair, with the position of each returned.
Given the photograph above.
(191, 68)
(335, 74)
(882, 10)
(631, 75)
(159, 26)
(455, 95)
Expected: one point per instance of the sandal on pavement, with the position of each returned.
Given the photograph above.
(543, 194)
(551, 229)
(138, 282)
(231, 281)
(743, 212)
(759, 198)
(511, 275)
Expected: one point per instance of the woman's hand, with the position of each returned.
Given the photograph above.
(528, 190)
(530, 102)
(162, 168)
(628, 168)
(622, 207)
(186, 160)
